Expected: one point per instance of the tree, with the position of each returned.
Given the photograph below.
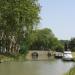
(59, 47)
(16, 15)
(43, 39)
(72, 44)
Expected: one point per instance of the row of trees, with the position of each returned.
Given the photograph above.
(44, 39)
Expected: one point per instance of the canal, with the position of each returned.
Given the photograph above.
(51, 67)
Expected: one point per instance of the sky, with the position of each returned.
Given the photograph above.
(58, 15)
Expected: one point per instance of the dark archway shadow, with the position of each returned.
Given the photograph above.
(49, 54)
(34, 56)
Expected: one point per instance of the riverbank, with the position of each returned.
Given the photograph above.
(73, 54)
(9, 58)
(4, 58)
(19, 57)
(71, 72)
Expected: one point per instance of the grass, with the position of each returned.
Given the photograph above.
(71, 72)
(9, 57)
(73, 54)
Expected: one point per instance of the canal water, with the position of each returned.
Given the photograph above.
(51, 67)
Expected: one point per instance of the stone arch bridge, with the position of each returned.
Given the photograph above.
(39, 55)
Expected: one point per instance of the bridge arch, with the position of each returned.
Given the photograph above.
(34, 55)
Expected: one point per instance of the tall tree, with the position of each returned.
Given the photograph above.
(16, 15)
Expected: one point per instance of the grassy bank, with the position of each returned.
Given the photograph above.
(71, 72)
(5, 58)
(9, 58)
(73, 54)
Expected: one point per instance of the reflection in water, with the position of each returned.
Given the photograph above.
(54, 67)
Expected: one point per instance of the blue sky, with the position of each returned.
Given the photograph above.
(59, 15)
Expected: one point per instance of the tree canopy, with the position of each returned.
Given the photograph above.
(72, 44)
(44, 39)
(17, 19)
(69, 44)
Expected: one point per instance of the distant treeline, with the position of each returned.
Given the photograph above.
(69, 44)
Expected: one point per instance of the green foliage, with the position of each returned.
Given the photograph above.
(23, 47)
(73, 49)
(69, 44)
(43, 39)
(72, 44)
(60, 48)
(16, 15)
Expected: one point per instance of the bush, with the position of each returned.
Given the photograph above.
(23, 48)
